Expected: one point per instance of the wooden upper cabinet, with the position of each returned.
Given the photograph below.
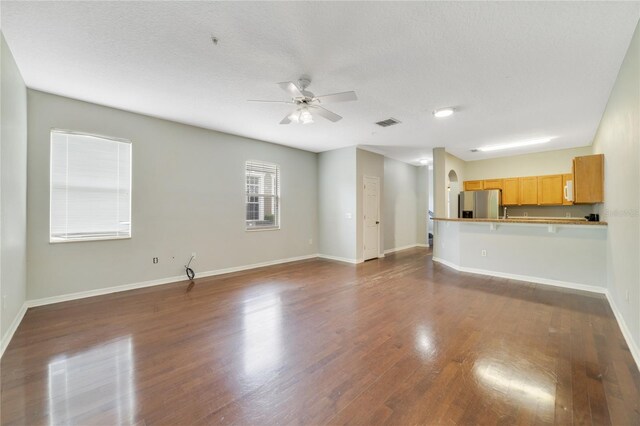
(510, 192)
(566, 178)
(588, 179)
(528, 190)
(473, 185)
(550, 190)
(492, 184)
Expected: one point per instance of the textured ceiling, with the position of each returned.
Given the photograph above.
(514, 70)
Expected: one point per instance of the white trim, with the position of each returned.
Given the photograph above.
(528, 278)
(125, 287)
(12, 329)
(393, 250)
(633, 347)
(339, 259)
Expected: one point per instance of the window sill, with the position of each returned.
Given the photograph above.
(80, 240)
(277, 228)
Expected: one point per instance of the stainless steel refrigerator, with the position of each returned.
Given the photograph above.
(479, 204)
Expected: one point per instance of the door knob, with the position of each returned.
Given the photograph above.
(377, 222)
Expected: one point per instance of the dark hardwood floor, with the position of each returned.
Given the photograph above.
(398, 340)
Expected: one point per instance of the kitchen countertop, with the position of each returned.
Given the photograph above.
(544, 221)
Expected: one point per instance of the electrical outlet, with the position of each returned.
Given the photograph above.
(567, 214)
(626, 296)
(348, 215)
(193, 254)
(310, 241)
(155, 260)
(483, 253)
(4, 302)
(526, 214)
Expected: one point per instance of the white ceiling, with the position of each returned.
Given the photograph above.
(514, 70)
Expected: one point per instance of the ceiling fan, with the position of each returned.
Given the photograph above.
(307, 104)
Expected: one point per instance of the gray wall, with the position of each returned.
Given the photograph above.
(13, 190)
(368, 164)
(188, 196)
(618, 138)
(337, 201)
(400, 204)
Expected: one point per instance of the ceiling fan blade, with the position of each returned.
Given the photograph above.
(286, 119)
(291, 89)
(269, 102)
(331, 116)
(337, 97)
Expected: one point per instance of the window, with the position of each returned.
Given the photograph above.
(262, 186)
(90, 187)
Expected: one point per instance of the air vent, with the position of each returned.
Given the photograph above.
(474, 150)
(388, 122)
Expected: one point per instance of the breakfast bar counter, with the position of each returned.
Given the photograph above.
(556, 251)
(531, 220)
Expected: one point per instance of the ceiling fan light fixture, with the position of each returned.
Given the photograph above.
(443, 112)
(306, 117)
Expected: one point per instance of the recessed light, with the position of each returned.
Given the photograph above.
(443, 112)
(424, 161)
(514, 144)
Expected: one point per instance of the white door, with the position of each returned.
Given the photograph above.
(371, 217)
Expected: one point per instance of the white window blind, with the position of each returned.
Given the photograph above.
(90, 187)
(262, 187)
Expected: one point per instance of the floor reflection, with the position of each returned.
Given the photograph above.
(97, 383)
(262, 319)
(525, 383)
(424, 342)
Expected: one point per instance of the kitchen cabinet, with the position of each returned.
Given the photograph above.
(492, 184)
(588, 179)
(528, 190)
(550, 190)
(510, 192)
(585, 184)
(473, 185)
(567, 180)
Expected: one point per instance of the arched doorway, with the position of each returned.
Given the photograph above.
(453, 189)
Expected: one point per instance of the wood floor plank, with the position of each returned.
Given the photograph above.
(398, 340)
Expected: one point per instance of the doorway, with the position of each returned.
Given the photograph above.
(371, 211)
(453, 189)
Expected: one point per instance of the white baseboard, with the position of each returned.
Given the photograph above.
(12, 329)
(528, 278)
(339, 259)
(393, 250)
(168, 280)
(633, 346)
